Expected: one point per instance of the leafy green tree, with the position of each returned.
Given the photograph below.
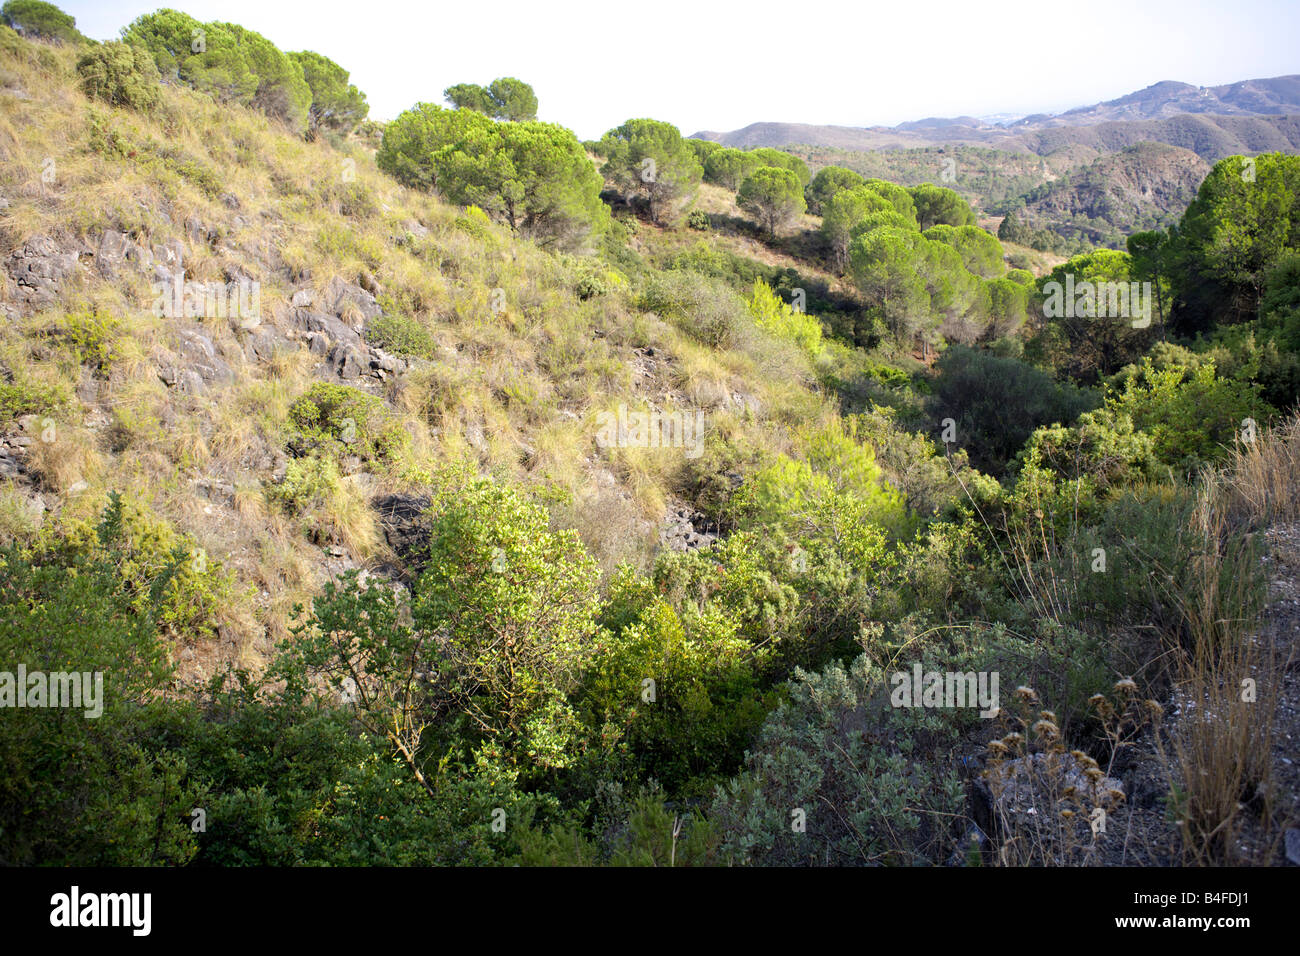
(885, 265)
(120, 74)
(846, 209)
(39, 20)
(650, 158)
(493, 640)
(981, 253)
(937, 204)
(780, 159)
(1008, 306)
(829, 181)
(703, 149)
(899, 198)
(88, 785)
(729, 167)
(1012, 228)
(997, 403)
(470, 96)
(1193, 415)
(505, 98)
(1089, 338)
(1245, 216)
(227, 61)
(514, 99)
(774, 196)
(533, 176)
(335, 103)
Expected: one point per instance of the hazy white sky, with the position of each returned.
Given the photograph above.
(720, 66)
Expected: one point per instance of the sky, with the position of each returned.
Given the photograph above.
(706, 65)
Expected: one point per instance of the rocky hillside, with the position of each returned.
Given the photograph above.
(1142, 187)
(117, 228)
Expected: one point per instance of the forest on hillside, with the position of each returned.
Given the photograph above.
(452, 491)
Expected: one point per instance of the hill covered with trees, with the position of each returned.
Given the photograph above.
(450, 491)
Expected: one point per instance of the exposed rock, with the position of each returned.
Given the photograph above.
(349, 301)
(197, 349)
(302, 299)
(338, 332)
(348, 361)
(406, 527)
(39, 267)
(684, 529)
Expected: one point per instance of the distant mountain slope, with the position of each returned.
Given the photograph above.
(1250, 116)
(1142, 187)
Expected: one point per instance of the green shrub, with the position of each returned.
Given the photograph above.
(19, 396)
(121, 75)
(698, 219)
(838, 777)
(704, 308)
(92, 337)
(337, 420)
(402, 336)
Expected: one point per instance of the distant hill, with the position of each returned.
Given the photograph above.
(1251, 116)
(1146, 186)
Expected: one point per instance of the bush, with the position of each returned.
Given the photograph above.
(120, 75)
(337, 420)
(704, 308)
(869, 783)
(996, 403)
(698, 219)
(19, 396)
(402, 336)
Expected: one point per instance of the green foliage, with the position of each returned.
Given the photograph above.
(1193, 415)
(335, 103)
(1095, 340)
(778, 318)
(226, 61)
(774, 196)
(674, 695)
(1246, 215)
(997, 403)
(533, 176)
(981, 253)
(937, 205)
(163, 573)
(497, 627)
(855, 210)
(779, 159)
(21, 396)
(336, 420)
(120, 75)
(829, 181)
(505, 99)
(402, 336)
(40, 21)
(729, 167)
(650, 158)
(703, 307)
(91, 336)
(838, 777)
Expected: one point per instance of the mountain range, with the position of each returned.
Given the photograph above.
(1249, 116)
